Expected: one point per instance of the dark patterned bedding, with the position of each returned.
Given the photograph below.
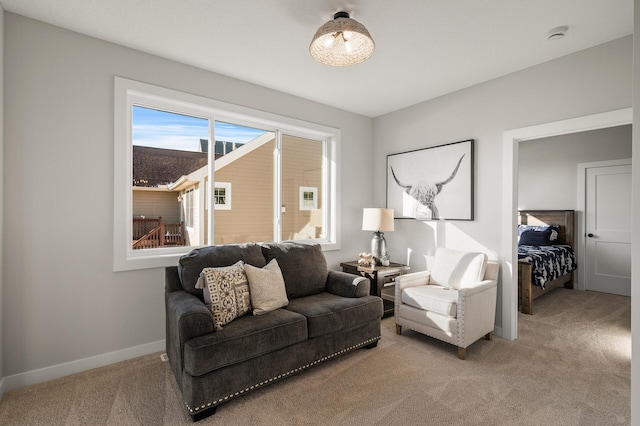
(549, 262)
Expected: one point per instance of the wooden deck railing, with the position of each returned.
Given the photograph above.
(153, 232)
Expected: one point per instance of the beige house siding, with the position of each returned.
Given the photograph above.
(154, 203)
(251, 178)
(301, 167)
(251, 214)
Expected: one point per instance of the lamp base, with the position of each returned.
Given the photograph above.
(378, 247)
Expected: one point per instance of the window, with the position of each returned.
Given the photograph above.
(204, 145)
(308, 198)
(222, 196)
(189, 208)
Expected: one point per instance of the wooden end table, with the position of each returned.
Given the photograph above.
(382, 279)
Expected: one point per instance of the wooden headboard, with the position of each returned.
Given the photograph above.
(564, 218)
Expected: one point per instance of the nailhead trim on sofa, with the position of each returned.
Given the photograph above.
(195, 410)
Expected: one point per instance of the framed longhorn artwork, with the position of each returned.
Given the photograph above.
(432, 183)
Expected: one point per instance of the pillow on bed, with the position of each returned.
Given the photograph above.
(555, 229)
(536, 238)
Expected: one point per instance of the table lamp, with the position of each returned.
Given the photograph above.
(379, 221)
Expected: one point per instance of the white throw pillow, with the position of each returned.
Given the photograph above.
(267, 289)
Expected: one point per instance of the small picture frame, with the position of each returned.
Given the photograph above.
(434, 183)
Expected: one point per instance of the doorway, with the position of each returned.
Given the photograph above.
(511, 138)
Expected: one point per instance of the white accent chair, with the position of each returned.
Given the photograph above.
(454, 301)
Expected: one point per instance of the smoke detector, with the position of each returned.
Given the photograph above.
(557, 33)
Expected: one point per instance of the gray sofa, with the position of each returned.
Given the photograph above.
(329, 314)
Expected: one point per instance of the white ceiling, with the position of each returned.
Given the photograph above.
(424, 48)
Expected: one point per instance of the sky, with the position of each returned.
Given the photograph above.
(167, 130)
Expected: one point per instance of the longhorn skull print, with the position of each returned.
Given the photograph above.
(425, 192)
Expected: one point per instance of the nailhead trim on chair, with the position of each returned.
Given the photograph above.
(279, 376)
(460, 308)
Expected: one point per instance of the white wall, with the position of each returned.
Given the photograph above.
(547, 168)
(587, 82)
(62, 302)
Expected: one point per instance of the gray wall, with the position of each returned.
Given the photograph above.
(61, 299)
(62, 302)
(635, 266)
(591, 81)
(2, 322)
(547, 168)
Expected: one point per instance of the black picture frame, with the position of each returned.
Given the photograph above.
(434, 183)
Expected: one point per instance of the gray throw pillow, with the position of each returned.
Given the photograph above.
(267, 289)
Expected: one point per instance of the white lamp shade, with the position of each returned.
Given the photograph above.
(375, 219)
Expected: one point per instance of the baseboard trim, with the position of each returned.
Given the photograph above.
(40, 375)
(497, 331)
(1, 388)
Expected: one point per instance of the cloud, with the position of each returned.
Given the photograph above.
(181, 137)
(167, 130)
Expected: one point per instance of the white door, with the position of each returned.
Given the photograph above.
(608, 229)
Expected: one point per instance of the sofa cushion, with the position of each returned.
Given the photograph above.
(434, 298)
(457, 269)
(267, 288)
(304, 267)
(243, 339)
(226, 292)
(191, 265)
(327, 313)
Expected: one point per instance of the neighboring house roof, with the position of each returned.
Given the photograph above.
(153, 167)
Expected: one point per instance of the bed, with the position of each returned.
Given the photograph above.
(544, 267)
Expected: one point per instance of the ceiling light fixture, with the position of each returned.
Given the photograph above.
(342, 41)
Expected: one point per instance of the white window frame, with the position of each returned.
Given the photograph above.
(314, 201)
(189, 206)
(129, 92)
(227, 195)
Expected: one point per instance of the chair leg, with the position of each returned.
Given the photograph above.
(398, 329)
(462, 352)
(488, 336)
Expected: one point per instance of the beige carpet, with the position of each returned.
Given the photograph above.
(570, 366)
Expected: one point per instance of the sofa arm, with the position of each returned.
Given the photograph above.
(347, 285)
(186, 317)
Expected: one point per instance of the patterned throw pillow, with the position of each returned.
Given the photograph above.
(226, 292)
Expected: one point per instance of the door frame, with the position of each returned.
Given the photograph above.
(581, 206)
(510, 140)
